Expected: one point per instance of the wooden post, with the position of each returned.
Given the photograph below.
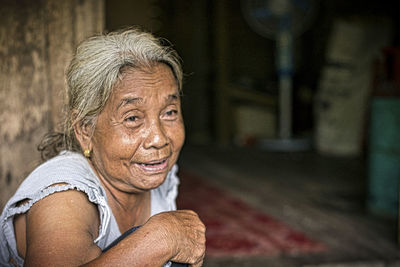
(37, 39)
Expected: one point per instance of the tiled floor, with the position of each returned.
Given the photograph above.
(322, 196)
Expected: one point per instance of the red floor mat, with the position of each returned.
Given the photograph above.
(235, 229)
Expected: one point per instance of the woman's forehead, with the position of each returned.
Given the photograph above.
(137, 87)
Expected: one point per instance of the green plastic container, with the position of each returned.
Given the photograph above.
(384, 157)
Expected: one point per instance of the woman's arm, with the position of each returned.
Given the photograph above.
(61, 229)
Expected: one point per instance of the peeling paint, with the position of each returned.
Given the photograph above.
(8, 178)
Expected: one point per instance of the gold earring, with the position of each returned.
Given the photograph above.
(86, 153)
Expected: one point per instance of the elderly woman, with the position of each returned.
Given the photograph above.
(113, 167)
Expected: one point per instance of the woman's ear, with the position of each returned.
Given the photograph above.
(83, 133)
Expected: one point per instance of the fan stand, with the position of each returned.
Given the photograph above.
(285, 142)
(260, 14)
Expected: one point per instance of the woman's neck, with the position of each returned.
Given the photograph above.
(129, 208)
(132, 211)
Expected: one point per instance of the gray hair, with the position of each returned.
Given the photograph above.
(97, 66)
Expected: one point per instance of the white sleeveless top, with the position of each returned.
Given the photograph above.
(74, 172)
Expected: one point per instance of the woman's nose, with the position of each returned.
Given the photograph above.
(156, 137)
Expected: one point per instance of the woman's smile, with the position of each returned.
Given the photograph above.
(154, 162)
(154, 167)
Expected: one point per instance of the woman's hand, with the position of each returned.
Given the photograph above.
(183, 233)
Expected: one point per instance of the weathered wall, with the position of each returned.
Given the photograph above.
(37, 39)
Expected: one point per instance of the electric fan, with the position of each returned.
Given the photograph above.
(283, 21)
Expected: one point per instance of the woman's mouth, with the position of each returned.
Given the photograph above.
(153, 166)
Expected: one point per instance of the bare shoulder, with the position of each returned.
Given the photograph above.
(60, 229)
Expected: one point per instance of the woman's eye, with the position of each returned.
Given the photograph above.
(171, 112)
(131, 119)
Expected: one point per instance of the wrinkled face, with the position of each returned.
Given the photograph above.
(140, 132)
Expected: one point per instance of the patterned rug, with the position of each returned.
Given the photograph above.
(235, 229)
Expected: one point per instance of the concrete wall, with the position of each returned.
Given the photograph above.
(37, 39)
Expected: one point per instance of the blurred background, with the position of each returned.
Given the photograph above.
(300, 91)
